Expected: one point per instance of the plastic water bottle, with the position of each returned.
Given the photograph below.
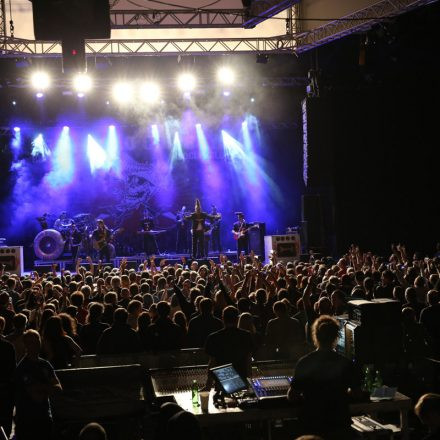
(195, 393)
(368, 379)
(378, 382)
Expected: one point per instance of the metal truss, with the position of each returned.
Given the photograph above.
(177, 18)
(260, 11)
(2, 19)
(357, 22)
(13, 47)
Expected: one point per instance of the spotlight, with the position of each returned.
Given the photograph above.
(252, 99)
(150, 92)
(82, 83)
(226, 75)
(39, 95)
(186, 82)
(123, 92)
(226, 93)
(66, 128)
(112, 127)
(14, 102)
(80, 95)
(16, 129)
(107, 102)
(40, 81)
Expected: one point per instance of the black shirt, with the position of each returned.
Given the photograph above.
(231, 345)
(200, 327)
(165, 335)
(89, 336)
(118, 339)
(323, 378)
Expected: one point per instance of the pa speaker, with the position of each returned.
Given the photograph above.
(12, 258)
(63, 19)
(313, 221)
(256, 239)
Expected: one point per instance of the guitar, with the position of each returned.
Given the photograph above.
(152, 232)
(98, 245)
(241, 232)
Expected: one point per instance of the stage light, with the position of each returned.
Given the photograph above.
(82, 83)
(17, 129)
(40, 81)
(226, 93)
(107, 102)
(80, 95)
(123, 92)
(226, 75)
(252, 99)
(150, 92)
(186, 82)
(112, 127)
(66, 128)
(39, 95)
(14, 102)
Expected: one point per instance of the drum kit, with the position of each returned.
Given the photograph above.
(51, 243)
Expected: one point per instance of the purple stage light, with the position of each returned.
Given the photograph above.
(80, 95)
(39, 95)
(112, 127)
(17, 129)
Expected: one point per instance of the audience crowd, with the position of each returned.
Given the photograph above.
(232, 310)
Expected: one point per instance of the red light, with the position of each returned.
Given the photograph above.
(74, 52)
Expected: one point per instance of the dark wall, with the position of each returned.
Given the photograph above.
(384, 133)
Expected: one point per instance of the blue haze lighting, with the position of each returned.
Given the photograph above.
(176, 152)
(96, 154)
(203, 144)
(39, 148)
(62, 161)
(155, 135)
(113, 160)
(16, 140)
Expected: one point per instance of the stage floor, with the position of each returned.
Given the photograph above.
(133, 261)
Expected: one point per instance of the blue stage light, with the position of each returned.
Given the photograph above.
(16, 129)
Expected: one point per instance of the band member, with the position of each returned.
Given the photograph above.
(76, 238)
(150, 244)
(43, 221)
(101, 237)
(215, 231)
(241, 234)
(182, 231)
(62, 222)
(198, 218)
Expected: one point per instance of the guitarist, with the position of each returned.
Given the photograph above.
(241, 233)
(101, 237)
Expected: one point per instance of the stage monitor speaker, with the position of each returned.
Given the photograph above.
(61, 19)
(287, 247)
(12, 258)
(256, 240)
(312, 221)
(43, 269)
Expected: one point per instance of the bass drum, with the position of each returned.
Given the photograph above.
(49, 244)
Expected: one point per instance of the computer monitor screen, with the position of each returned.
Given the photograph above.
(228, 379)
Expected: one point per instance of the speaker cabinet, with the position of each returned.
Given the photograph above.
(287, 247)
(312, 221)
(12, 258)
(256, 239)
(64, 19)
